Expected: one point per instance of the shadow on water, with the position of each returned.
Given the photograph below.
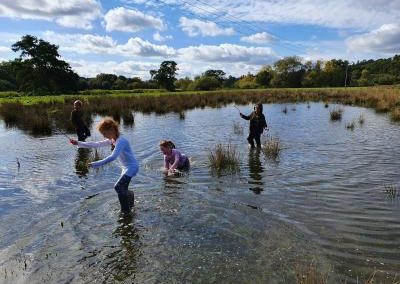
(256, 169)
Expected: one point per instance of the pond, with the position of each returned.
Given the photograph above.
(322, 203)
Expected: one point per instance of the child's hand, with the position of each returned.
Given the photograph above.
(73, 141)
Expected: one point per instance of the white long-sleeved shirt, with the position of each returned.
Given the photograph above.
(122, 150)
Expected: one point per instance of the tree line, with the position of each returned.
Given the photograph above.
(38, 70)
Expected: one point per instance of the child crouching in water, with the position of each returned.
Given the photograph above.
(173, 159)
(110, 130)
(257, 125)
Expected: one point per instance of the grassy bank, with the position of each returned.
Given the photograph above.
(33, 113)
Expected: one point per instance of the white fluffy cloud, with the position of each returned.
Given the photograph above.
(129, 20)
(196, 27)
(258, 38)
(158, 37)
(228, 53)
(126, 68)
(94, 44)
(385, 39)
(68, 13)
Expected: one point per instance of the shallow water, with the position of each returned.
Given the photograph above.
(322, 202)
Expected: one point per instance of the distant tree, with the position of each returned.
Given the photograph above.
(39, 69)
(183, 83)
(247, 82)
(229, 82)
(289, 72)
(217, 74)
(205, 83)
(264, 76)
(165, 75)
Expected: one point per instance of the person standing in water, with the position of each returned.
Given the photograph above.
(82, 131)
(257, 125)
(110, 130)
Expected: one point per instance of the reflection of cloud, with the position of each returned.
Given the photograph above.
(128, 20)
(385, 39)
(68, 13)
(194, 27)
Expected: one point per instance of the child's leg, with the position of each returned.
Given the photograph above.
(257, 137)
(250, 139)
(124, 196)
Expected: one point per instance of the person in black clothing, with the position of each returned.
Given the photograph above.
(82, 131)
(257, 125)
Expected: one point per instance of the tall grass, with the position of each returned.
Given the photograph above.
(272, 148)
(395, 114)
(224, 158)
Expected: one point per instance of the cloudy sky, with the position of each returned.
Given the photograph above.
(130, 37)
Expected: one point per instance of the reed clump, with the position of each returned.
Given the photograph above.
(272, 148)
(361, 119)
(391, 191)
(351, 125)
(224, 158)
(128, 118)
(395, 114)
(336, 114)
(284, 110)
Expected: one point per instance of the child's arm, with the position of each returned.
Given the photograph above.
(176, 162)
(166, 164)
(246, 117)
(265, 123)
(96, 144)
(115, 153)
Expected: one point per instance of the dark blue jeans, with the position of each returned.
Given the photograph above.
(126, 197)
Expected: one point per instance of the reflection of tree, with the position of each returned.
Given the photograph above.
(256, 169)
(81, 160)
(122, 262)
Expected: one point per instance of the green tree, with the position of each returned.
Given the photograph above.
(264, 76)
(205, 83)
(165, 75)
(39, 69)
(289, 72)
(217, 74)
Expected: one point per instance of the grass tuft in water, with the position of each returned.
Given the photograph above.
(237, 128)
(272, 147)
(361, 119)
(128, 117)
(350, 125)
(336, 114)
(391, 191)
(284, 110)
(225, 158)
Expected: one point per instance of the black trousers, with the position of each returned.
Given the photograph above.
(125, 196)
(254, 136)
(82, 132)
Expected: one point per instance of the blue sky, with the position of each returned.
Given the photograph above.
(131, 37)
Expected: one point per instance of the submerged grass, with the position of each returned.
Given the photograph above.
(272, 147)
(237, 128)
(361, 119)
(224, 158)
(351, 125)
(391, 191)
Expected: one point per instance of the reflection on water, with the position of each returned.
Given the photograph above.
(81, 161)
(255, 171)
(323, 202)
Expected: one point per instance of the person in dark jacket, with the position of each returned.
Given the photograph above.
(82, 131)
(257, 125)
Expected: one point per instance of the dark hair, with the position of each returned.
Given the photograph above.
(167, 143)
(259, 105)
